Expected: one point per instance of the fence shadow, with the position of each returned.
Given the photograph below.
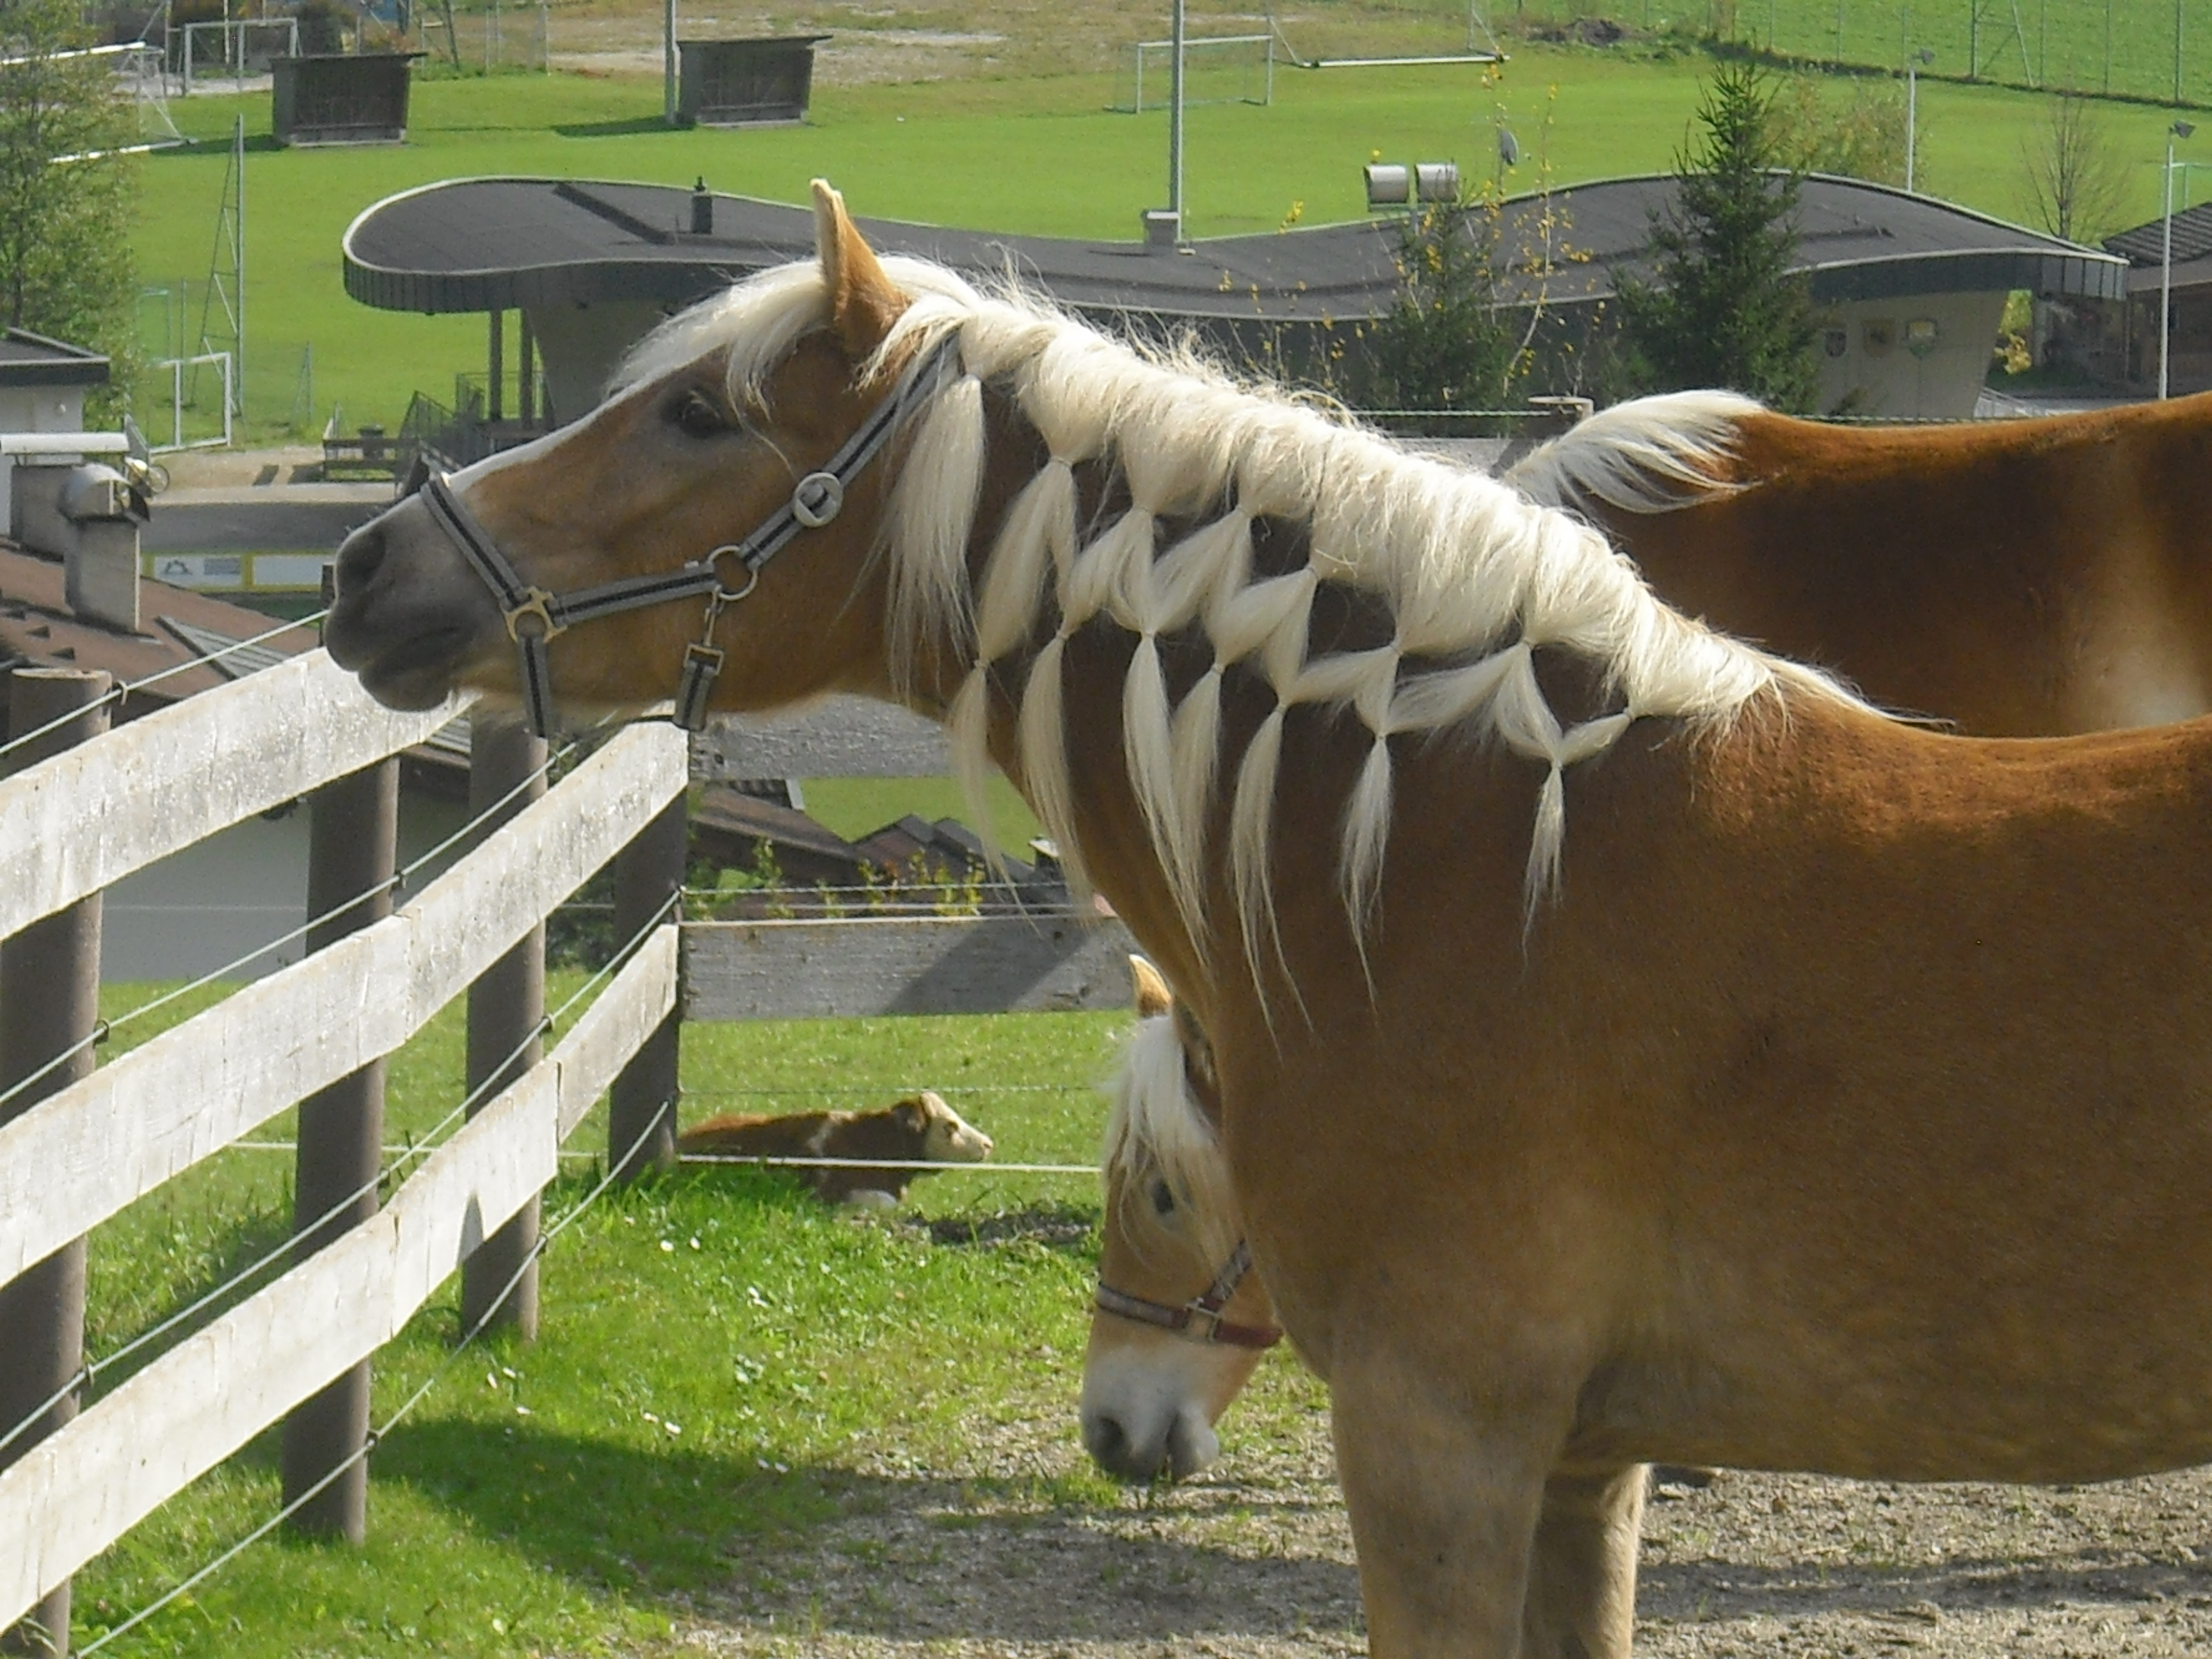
(821, 1548)
(1717, 1592)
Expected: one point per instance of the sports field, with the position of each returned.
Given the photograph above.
(1036, 154)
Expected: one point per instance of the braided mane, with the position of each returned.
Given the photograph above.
(1474, 578)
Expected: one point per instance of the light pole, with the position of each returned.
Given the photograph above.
(1175, 119)
(1912, 64)
(2174, 134)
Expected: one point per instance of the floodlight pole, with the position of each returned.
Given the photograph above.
(2178, 130)
(1912, 63)
(1175, 117)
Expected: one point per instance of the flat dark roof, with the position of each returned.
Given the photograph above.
(471, 245)
(29, 359)
(2145, 245)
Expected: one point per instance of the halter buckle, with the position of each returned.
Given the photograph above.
(703, 665)
(819, 498)
(533, 602)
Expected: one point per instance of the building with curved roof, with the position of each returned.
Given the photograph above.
(1912, 288)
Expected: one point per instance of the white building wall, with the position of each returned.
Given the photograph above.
(1924, 358)
(205, 907)
(41, 408)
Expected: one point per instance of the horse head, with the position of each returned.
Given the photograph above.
(1181, 1320)
(615, 551)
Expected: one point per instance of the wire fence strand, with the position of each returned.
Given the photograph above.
(116, 693)
(397, 882)
(87, 1373)
(444, 1368)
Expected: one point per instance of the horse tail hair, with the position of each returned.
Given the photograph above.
(1647, 455)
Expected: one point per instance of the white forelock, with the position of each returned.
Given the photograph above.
(1476, 578)
(1156, 1126)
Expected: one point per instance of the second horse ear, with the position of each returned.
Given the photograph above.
(863, 303)
(1153, 996)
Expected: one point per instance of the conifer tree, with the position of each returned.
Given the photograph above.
(1724, 309)
(65, 199)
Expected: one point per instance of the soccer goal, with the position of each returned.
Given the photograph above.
(1220, 68)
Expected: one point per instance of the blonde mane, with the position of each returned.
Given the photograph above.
(1647, 455)
(1475, 578)
(1154, 1125)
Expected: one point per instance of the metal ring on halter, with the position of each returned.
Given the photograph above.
(533, 602)
(819, 497)
(722, 595)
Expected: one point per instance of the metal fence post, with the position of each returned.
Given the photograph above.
(49, 1003)
(507, 1010)
(641, 1106)
(353, 849)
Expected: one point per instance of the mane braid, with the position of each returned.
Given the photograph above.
(1474, 578)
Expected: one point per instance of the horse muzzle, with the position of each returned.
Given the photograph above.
(1179, 1445)
(409, 616)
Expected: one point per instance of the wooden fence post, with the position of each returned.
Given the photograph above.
(48, 1003)
(353, 849)
(507, 1010)
(648, 874)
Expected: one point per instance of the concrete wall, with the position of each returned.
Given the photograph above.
(41, 408)
(1921, 358)
(581, 345)
(209, 905)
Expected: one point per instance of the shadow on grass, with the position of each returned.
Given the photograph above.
(827, 1549)
(627, 127)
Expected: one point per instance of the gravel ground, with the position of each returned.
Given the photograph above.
(1253, 1560)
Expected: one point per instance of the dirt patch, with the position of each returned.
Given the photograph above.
(1254, 1561)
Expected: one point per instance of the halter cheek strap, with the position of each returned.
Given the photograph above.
(1200, 1319)
(535, 617)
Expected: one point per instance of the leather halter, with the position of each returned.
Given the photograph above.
(1198, 1319)
(535, 617)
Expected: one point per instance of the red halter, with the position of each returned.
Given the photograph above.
(1198, 1319)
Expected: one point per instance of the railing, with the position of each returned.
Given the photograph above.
(98, 1140)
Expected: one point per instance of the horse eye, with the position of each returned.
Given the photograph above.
(1163, 1198)
(699, 418)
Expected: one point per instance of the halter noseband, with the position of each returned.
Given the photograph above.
(535, 617)
(1198, 1319)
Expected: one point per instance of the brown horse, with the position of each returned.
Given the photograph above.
(1833, 1095)
(2017, 579)
(1182, 1318)
(2013, 579)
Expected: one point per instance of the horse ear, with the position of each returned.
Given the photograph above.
(863, 304)
(1153, 996)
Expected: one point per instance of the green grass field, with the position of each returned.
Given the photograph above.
(2120, 48)
(539, 1500)
(1040, 157)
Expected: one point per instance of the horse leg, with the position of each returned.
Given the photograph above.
(1445, 1499)
(1582, 1587)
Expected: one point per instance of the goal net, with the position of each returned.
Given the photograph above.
(1224, 68)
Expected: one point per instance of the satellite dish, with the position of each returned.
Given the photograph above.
(1508, 147)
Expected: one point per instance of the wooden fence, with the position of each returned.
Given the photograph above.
(87, 1142)
(77, 1146)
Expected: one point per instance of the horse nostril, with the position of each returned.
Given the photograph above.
(360, 558)
(1110, 1448)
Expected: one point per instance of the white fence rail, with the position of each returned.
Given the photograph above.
(72, 825)
(81, 1489)
(76, 823)
(77, 1157)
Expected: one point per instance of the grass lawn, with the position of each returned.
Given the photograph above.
(724, 1364)
(1040, 157)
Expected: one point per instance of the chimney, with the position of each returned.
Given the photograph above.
(85, 515)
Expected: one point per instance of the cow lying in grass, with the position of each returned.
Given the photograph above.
(922, 1128)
